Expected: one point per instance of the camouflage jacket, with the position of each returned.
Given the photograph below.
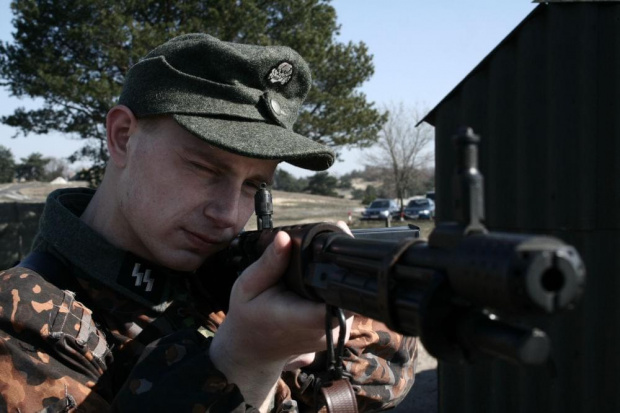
(126, 335)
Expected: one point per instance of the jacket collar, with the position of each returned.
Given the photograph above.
(93, 258)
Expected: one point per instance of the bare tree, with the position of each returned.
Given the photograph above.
(403, 149)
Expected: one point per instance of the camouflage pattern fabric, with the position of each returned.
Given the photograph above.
(56, 355)
(381, 364)
(52, 356)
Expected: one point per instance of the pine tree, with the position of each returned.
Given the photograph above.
(7, 165)
(32, 168)
(321, 183)
(74, 54)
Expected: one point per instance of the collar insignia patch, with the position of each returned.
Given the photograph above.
(143, 278)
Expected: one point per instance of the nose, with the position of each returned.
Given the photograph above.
(222, 207)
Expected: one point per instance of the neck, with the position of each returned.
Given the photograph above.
(102, 215)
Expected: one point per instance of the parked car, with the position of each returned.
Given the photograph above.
(420, 208)
(381, 208)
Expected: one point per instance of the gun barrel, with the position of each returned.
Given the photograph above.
(508, 273)
(394, 281)
(440, 293)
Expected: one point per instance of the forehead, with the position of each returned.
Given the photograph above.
(177, 140)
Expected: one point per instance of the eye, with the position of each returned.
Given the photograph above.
(252, 185)
(200, 167)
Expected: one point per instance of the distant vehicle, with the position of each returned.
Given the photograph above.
(381, 208)
(431, 195)
(420, 208)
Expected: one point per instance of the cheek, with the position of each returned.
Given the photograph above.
(165, 202)
(150, 198)
(246, 209)
(141, 205)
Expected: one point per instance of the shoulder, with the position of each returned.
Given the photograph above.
(51, 353)
(20, 279)
(35, 310)
(25, 297)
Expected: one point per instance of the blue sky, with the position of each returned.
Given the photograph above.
(421, 49)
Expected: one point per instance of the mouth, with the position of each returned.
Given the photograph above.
(205, 243)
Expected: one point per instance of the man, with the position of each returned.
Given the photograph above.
(118, 306)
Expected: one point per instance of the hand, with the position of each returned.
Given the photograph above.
(343, 225)
(308, 358)
(267, 326)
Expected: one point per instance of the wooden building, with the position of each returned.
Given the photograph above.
(546, 103)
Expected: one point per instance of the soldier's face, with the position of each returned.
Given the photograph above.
(181, 199)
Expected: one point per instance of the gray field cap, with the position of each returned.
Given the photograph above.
(241, 98)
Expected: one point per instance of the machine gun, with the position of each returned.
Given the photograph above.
(454, 291)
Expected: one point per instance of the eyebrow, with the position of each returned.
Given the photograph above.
(208, 156)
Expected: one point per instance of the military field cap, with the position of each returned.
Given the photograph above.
(238, 97)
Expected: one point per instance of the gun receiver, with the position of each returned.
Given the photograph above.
(452, 291)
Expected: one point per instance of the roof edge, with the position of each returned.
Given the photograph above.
(430, 116)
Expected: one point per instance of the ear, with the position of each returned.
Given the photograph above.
(121, 123)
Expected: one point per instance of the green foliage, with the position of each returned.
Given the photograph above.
(32, 168)
(284, 181)
(7, 165)
(369, 173)
(322, 183)
(74, 54)
(345, 182)
(357, 194)
(424, 181)
(370, 194)
(92, 175)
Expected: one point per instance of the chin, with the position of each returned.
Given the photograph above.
(183, 268)
(187, 262)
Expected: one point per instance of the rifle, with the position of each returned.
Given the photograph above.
(453, 291)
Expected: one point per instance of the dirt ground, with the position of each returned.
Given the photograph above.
(296, 208)
(32, 192)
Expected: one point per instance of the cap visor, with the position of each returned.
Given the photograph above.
(261, 140)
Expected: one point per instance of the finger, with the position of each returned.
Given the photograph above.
(343, 225)
(349, 327)
(300, 314)
(299, 361)
(267, 270)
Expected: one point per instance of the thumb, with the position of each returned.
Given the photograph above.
(267, 270)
